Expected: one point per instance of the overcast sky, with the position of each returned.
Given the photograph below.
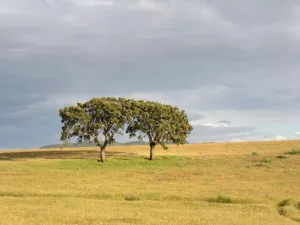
(232, 65)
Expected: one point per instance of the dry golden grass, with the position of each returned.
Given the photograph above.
(237, 183)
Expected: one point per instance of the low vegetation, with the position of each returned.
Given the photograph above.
(282, 157)
(294, 151)
(132, 198)
(264, 162)
(227, 200)
(290, 208)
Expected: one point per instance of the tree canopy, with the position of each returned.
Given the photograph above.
(108, 116)
(98, 117)
(159, 123)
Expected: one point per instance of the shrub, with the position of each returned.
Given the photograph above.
(227, 200)
(284, 203)
(282, 211)
(174, 198)
(282, 157)
(221, 199)
(131, 198)
(266, 160)
(254, 153)
(290, 209)
(294, 151)
(298, 205)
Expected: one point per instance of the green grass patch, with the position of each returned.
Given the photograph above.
(254, 153)
(227, 200)
(117, 163)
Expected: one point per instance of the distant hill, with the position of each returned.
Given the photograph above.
(86, 144)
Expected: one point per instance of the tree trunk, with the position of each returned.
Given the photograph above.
(102, 155)
(152, 153)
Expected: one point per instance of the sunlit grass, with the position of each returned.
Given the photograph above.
(191, 184)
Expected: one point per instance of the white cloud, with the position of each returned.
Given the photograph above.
(213, 125)
(209, 121)
(280, 138)
(196, 123)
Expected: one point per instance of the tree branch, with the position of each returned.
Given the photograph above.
(98, 142)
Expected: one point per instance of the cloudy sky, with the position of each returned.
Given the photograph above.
(232, 65)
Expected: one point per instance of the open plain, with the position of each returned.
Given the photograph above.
(209, 184)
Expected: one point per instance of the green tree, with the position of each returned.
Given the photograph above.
(88, 121)
(160, 123)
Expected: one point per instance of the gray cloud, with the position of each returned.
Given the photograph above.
(224, 121)
(236, 60)
(195, 116)
(256, 12)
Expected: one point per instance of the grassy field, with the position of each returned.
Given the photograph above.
(226, 184)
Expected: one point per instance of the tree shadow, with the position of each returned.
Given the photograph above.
(82, 154)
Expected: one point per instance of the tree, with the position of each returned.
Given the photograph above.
(105, 116)
(160, 123)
